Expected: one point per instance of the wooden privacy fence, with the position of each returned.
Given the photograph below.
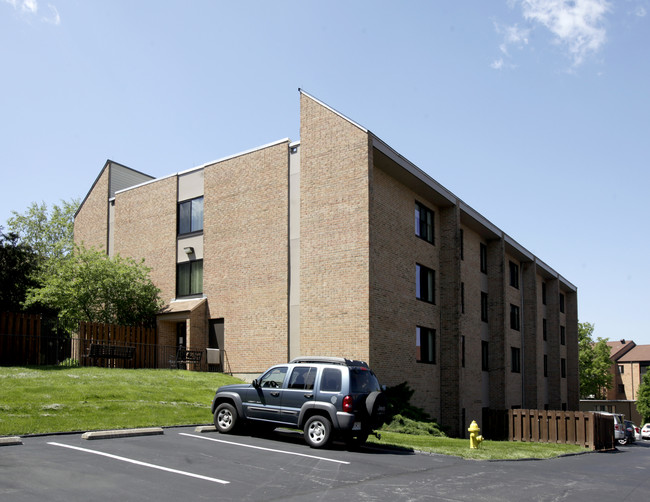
(113, 346)
(20, 338)
(588, 429)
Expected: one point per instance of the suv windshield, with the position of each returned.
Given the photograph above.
(363, 380)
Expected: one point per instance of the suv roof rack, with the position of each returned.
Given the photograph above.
(329, 360)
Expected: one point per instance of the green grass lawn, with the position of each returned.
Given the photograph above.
(63, 399)
(60, 399)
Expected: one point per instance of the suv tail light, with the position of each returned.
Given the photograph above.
(347, 404)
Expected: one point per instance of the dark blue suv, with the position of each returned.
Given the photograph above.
(323, 396)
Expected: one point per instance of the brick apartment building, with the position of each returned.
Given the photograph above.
(337, 245)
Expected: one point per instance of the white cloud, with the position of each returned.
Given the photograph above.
(640, 11)
(54, 17)
(30, 8)
(576, 24)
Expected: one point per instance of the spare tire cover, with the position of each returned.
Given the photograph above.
(376, 407)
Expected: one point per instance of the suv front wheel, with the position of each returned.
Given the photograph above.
(225, 418)
(318, 431)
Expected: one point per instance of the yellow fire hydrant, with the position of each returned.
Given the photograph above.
(474, 438)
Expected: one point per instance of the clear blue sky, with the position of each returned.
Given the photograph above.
(535, 112)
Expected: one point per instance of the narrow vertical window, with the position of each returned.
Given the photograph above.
(425, 283)
(514, 275)
(483, 256)
(561, 303)
(189, 278)
(544, 332)
(543, 293)
(425, 345)
(424, 227)
(462, 244)
(515, 356)
(190, 216)
(514, 317)
(545, 365)
(462, 297)
(562, 335)
(563, 367)
(484, 307)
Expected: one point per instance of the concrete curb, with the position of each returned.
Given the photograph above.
(124, 433)
(205, 428)
(10, 441)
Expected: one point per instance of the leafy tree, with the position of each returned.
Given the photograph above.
(643, 398)
(90, 286)
(594, 363)
(17, 263)
(48, 232)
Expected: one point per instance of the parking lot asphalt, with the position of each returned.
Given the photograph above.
(185, 464)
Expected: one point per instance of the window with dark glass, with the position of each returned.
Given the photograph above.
(562, 335)
(514, 275)
(545, 365)
(462, 350)
(485, 355)
(425, 283)
(425, 345)
(561, 303)
(563, 367)
(189, 278)
(515, 356)
(484, 307)
(544, 332)
(190, 216)
(331, 380)
(514, 317)
(544, 293)
(462, 297)
(424, 226)
(483, 251)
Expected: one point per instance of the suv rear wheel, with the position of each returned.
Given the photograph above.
(225, 418)
(318, 431)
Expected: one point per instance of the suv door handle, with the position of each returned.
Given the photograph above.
(275, 394)
(309, 396)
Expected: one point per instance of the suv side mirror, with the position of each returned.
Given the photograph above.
(256, 383)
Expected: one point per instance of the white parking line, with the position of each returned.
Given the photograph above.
(144, 464)
(265, 449)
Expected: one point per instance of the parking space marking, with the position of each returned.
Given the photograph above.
(144, 464)
(265, 449)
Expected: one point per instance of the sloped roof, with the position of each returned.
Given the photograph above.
(182, 306)
(620, 348)
(638, 353)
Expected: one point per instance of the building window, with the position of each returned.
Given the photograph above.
(484, 307)
(514, 317)
(425, 283)
(621, 369)
(563, 367)
(424, 222)
(562, 335)
(189, 278)
(462, 244)
(544, 332)
(190, 216)
(462, 297)
(515, 355)
(514, 275)
(543, 293)
(425, 345)
(545, 365)
(485, 356)
(561, 303)
(483, 251)
(621, 388)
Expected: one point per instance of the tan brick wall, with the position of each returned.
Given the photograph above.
(471, 326)
(246, 256)
(334, 234)
(91, 223)
(145, 227)
(395, 311)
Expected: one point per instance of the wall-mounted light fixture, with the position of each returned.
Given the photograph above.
(189, 250)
